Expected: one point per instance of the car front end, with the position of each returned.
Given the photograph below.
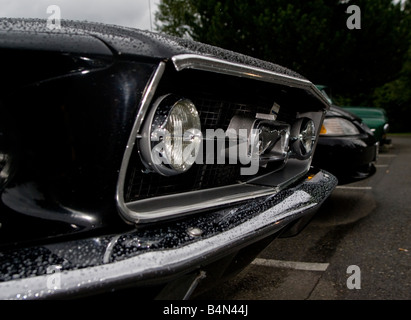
(131, 159)
(347, 147)
(376, 119)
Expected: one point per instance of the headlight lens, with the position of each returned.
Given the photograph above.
(338, 127)
(184, 138)
(7, 154)
(5, 168)
(307, 136)
(171, 136)
(303, 136)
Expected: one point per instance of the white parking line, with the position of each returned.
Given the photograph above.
(353, 188)
(308, 266)
(381, 165)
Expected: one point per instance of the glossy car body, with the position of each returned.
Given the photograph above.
(349, 156)
(376, 119)
(82, 211)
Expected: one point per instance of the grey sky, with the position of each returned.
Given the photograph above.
(130, 13)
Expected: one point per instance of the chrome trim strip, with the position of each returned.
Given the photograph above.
(109, 249)
(158, 265)
(151, 210)
(142, 110)
(204, 63)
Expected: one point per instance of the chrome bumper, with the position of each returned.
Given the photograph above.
(159, 254)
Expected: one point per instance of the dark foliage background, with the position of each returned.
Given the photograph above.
(370, 66)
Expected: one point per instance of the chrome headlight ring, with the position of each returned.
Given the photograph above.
(303, 136)
(171, 136)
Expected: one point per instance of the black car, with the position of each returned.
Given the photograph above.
(132, 159)
(347, 147)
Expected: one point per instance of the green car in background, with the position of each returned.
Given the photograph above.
(375, 118)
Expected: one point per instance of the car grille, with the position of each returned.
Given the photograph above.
(234, 93)
(142, 185)
(214, 114)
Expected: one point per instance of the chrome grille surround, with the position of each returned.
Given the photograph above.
(153, 207)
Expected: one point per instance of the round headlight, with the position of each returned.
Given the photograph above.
(5, 169)
(303, 136)
(7, 151)
(307, 136)
(171, 136)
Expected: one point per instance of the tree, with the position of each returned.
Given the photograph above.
(310, 37)
(178, 17)
(270, 30)
(395, 97)
(370, 57)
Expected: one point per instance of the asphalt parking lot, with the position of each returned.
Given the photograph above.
(358, 246)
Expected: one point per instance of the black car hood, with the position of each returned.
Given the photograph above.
(121, 40)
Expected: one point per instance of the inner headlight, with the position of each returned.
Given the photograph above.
(171, 136)
(307, 136)
(303, 137)
(5, 168)
(7, 153)
(338, 127)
